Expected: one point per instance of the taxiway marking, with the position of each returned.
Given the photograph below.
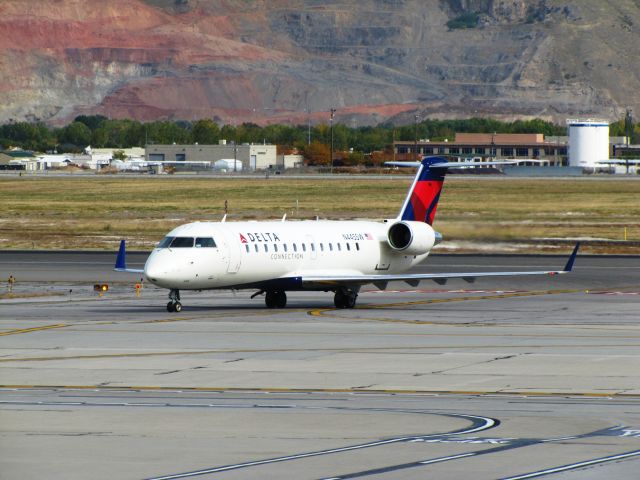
(34, 329)
(573, 466)
(354, 391)
(479, 424)
(327, 312)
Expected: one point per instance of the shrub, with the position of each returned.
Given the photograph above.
(466, 20)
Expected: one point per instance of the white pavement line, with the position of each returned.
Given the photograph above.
(488, 424)
(444, 459)
(574, 466)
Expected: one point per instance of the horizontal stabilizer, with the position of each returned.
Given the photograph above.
(454, 164)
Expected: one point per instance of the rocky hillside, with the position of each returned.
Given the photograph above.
(273, 60)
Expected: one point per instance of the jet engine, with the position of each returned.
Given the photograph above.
(412, 238)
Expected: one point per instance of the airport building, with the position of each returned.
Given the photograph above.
(588, 143)
(253, 157)
(551, 151)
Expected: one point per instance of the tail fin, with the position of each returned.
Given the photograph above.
(121, 260)
(422, 200)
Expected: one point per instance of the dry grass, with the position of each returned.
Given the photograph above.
(95, 212)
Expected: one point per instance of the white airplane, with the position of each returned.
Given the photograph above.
(274, 257)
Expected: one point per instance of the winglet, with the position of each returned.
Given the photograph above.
(121, 262)
(569, 266)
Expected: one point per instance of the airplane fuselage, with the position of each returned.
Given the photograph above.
(210, 255)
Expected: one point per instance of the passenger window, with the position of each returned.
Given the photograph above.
(275, 247)
(266, 248)
(255, 246)
(205, 242)
(357, 246)
(322, 247)
(304, 247)
(348, 246)
(313, 247)
(182, 242)
(285, 247)
(295, 247)
(246, 247)
(330, 247)
(339, 247)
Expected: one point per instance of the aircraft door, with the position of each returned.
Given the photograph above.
(232, 247)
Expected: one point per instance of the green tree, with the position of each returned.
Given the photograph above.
(76, 133)
(91, 121)
(205, 132)
(119, 155)
(30, 136)
(228, 133)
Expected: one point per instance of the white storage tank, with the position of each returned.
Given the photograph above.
(588, 142)
(227, 165)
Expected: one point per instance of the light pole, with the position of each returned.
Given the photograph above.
(235, 149)
(333, 111)
(415, 138)
(308, 124)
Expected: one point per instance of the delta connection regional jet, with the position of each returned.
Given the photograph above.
(274, 257)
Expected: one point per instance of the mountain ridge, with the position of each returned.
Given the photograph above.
(293, 60)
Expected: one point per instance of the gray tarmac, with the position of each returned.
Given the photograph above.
(501, 379)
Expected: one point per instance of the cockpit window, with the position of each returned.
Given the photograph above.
(166, 241)
(182, 242)
(205, 242)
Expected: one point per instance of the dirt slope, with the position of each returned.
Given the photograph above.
(267, 61)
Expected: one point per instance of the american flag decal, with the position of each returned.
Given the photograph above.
(368, 236)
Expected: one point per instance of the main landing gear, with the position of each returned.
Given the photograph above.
(345, 297)
(275, 299)
(174, 304)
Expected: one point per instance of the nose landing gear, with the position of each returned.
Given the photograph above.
(174, 304)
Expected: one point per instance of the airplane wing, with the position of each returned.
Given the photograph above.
(381, 281)
(121, 261)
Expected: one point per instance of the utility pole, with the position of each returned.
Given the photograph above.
(308, 124)
(628, 126)
(333, 111)
(415, 138)
(235, 149)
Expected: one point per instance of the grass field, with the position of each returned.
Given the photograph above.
(95, 212)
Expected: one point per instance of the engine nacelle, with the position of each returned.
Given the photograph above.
(411, 238)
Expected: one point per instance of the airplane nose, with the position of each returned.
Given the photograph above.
(155, 271)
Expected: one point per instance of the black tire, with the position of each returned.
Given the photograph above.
(281, 299)
(339, 300)
(350, 300)
(170, 307)
(177, 307)
(270, 299)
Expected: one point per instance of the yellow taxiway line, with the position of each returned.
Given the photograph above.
(506, 393)
(34, 329)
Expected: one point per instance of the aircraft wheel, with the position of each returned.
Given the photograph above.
(350, 300)
(281, 299)
(170, 307)
(270, 299)
(339, 300)
(177, 307)
(344, 299)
